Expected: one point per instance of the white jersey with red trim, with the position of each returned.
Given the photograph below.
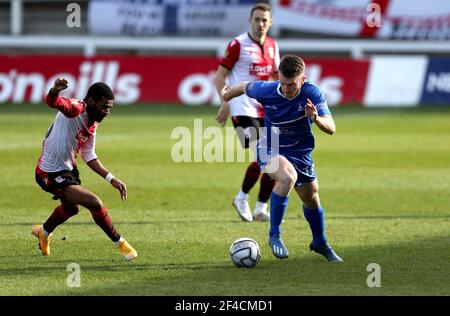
(68, 134)
(249, 61)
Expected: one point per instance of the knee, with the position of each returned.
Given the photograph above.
(95, 204)
(288, 180)
(72, 210)
(311, 200)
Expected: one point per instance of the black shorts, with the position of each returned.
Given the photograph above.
(247, 128)
(54, 182)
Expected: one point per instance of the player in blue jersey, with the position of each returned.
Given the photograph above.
(291, 106)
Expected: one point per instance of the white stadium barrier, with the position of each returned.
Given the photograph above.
(90, 45)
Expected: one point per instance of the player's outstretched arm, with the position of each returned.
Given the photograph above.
(98, 167)
(59, 85)
(229, 93)
(325, 122)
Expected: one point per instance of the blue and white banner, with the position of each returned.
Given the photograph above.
(395, 81)
(407, 81)
(436, 89)
(169, 17)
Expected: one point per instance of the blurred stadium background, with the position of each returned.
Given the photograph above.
(385, 176)
(129, 43)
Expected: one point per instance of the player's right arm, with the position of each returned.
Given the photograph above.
(220, 82)
(227, 63)
(64, 105)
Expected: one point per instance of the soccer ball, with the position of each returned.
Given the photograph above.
(245, 253)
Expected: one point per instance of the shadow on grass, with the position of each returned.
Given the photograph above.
(407, 268)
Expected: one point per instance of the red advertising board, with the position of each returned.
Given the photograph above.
(179, 79)
(342, 80)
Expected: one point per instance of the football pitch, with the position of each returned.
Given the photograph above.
(384, 183)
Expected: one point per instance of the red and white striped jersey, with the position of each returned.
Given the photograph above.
(68, 134)
(248, 61)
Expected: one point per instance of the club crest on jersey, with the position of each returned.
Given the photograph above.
(252, 51)
(300, 107)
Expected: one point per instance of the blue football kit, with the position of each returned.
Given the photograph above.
(287, 119)
(288, 132)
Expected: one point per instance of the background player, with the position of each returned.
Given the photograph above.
(291, 107)
(72, 131)
(250, 56)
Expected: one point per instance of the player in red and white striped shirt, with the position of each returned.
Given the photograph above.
(73, 131)
(249, 57)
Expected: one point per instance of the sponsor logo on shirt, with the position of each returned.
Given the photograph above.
(260, 69)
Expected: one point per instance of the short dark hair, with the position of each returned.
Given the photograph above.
(260, 6)
(99, 90)
(291, 66)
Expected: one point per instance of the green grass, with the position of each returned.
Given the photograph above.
(384, 182)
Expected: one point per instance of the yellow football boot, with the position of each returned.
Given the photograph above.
(44, 242)
(128, 252)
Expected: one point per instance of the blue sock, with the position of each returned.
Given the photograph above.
(316, 221)
(278, 206)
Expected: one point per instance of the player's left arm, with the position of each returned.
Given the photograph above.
(324, 122)
(276, 64)
(98, 167)
(90, 157)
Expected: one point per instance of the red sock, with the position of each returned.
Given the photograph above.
(251, 177)
(267, 184)
(103, 220)
(59, 216)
